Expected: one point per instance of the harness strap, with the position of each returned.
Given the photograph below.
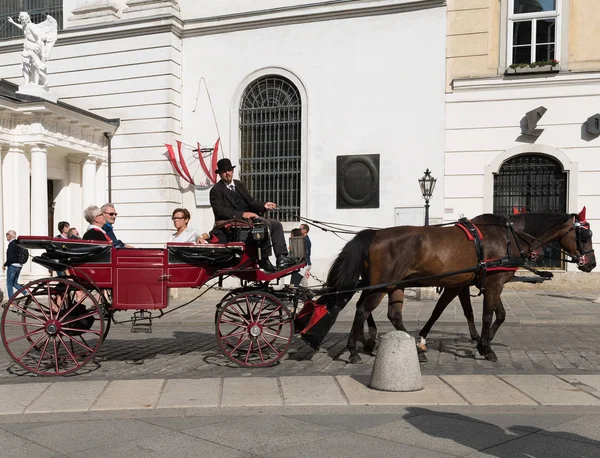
(473, 233)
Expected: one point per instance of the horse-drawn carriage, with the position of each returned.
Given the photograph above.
(60, 322)
(55, 325)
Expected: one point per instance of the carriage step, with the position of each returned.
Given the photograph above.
(141, 321)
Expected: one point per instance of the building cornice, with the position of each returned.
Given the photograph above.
(313, 12)
(520, 82)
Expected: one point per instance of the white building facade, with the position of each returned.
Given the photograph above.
(361, 78)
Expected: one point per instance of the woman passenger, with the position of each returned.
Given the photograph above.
(181, 218)
(95, 217)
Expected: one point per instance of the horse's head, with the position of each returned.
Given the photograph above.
(577, 242)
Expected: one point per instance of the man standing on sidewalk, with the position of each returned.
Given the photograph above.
(13, 264)
(304, 228)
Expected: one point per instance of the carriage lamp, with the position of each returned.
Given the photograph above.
(427, 184)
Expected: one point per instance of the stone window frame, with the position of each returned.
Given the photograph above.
(506, 32)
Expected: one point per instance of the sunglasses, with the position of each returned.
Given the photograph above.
(110, 214)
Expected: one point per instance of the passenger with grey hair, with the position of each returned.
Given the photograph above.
(110, 215)
(12, 263)
(95, 217)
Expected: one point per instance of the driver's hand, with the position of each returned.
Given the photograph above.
(249, 215)
(270, 206)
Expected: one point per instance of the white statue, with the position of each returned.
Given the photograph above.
(39, 40)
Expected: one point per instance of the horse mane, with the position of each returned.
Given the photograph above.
(347, 268)
(489, 219)
(538, 223)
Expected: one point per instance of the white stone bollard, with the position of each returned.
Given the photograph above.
(396, 366)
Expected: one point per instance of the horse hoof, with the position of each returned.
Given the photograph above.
(422, 357)
(491, 356)
(356, 359)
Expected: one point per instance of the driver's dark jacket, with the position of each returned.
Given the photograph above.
(226, 205)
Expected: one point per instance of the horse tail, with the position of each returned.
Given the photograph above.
(344, 273)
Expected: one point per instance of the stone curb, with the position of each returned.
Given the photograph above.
(341, 390)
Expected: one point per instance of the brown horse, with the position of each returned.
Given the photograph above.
(389, 260)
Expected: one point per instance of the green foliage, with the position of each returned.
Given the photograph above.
(540, 63)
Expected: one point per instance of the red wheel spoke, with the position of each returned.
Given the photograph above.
(248, 309)
(270, 314)
(39, 306)
(233, 335)
(32, 346)
(29, 334)
(239, 343)
(37, 366)
(81, 344)
(79, 317)
(248, 352)
(277, 336)
(55, 344)
(240, 315)
(26, 312)
(233, 323)
(68, 351)
(270, 346)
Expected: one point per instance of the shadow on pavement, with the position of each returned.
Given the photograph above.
(504, 442)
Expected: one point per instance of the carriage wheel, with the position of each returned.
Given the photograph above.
(55, 329)
(254, 329)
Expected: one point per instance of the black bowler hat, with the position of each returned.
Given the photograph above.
(223, 165)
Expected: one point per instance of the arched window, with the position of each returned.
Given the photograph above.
(270, 128)
(533, 183)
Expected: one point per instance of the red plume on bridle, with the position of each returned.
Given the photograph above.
(516, 211)
(581, 216)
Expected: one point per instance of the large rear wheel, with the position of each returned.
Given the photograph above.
(254, 329)
(53, 326)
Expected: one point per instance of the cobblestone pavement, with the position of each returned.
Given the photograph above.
(545, 333)
(192, 352)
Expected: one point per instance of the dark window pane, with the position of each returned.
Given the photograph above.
(534, 6)
(535, 183)
(522, 33)
(544, 52)
(270, 127)
(521, 55)
(546, 31)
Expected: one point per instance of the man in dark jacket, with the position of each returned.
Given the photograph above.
(110, 215)
(12, 263)
(229, 199)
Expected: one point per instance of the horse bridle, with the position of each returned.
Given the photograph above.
(583, 234)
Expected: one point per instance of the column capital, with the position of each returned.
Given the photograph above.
(92, 159)
(38, 147)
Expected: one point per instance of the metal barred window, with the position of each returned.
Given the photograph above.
(37, 9)
(270, 127)
(534, 183)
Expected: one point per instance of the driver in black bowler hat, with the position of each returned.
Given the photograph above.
(229, 199)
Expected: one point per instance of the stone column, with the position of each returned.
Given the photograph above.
(88, 181)
(102, 184)
(15, 188)
(16, 205)
(39, 197)
(74, 199)
(39, 190)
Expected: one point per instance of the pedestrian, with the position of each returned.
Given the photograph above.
(13, 263)
(110, 215)
(230, 199)
(296, 277)
(304, 228)
(63, 229)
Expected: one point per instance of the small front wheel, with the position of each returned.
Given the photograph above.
(52, 326)
(254, 329)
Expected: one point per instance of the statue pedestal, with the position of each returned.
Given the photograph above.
(37, 91)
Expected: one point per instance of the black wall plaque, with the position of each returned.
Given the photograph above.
(358, 181)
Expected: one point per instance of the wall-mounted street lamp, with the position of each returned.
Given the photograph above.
(427, 184)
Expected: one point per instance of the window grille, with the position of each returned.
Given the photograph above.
(37, 9)
(532, 31)
(270, 128)
(536, 183)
